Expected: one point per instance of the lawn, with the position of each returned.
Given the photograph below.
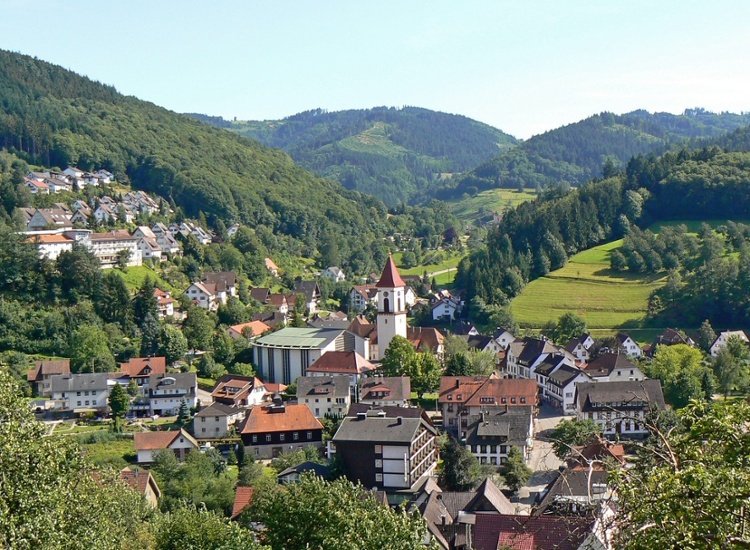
(118, 452)
(450, 261)
(586, 286)
(490, 201)
(135, 275)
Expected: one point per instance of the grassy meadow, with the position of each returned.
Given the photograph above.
(488, 202)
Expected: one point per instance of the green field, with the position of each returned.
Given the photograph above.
(134, 277)
(488, 202)
(586, 286)
(446, 268)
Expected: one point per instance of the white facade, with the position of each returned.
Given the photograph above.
(202, 297)
(631, 347)
(723, 338)
(327, 406)
(107, 246)
(181, 447)
(564, 398)
(391, 317)
(504, 339)
(445, 309)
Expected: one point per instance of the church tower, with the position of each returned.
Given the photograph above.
(391, 306)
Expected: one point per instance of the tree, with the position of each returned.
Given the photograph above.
(690, 485)
(145, 303)
(461, 469)
(132, 388)
(570, 433)
(680, 369)
(731, 368)
(223, 347)
(119, 403)
(150, 335)
(425, 373)
(295, 458)
(172, 343)
(233, 312)
(399, 358)
(315, 513)
(122, 258)
(183, 414)
(617, 261)
(515, 471)
(89, 350)
(189, 527)
(80, 273)
(198, 329)
(569, 326)
(208, 368)
(706, 335)
(112, 301)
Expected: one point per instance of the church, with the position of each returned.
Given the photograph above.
(391, 319)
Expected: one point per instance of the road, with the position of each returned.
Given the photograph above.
(204, 397)
(542, 461)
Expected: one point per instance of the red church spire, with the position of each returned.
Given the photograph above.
(390, 277)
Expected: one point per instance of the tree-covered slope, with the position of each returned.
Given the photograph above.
(393, 154)
(576, 153)
(54, 117)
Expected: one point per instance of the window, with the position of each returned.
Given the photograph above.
(295, 436)
(378, 449)
(379, 477)
(216, 418)
(255, 439)
(523, 400)
(282, 437)
(203, 418)
(268, 437)
(378, 463)
(513, 400)
(87, 402)
(203, 430)
(78, 393)
(309, 435)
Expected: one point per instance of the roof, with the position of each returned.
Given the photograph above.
(320, 470)
(390, 411)
(368, 291)
(601, 449)
(396, 388)
(425, 337)
(377, 429)
(308, 288)
(525, 392)
(608, 362)
(619, 392)
(362, 327)
(478, 341)
(154, 441)
(254, 328)
(186, 381)
(49, 239)
(140, 480)
(243, 496)
(219, 409)
(493, 531)
(672, 336)
(79, 382)
(390, 277)
(577, 484)
(270, 264)
(622, 337)
(293, 417)
(341, 362)
(48, 367)
(222, 279)
(533, 348)
(300, 338)
(575, 342)
(118, 235)
(327, 386)
(144, 366)
(234, 386)
(513, 426)
(549, 364)
(564, 375)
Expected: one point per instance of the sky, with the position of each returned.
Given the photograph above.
(524, 66)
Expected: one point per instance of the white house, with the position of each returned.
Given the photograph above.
(613, 367)
(384, 391)
(79, 393)
(580, 347)
(491, 436)
(107, 247)
(36, 187)
(326, 396)
(630, 346)
(504, 338)
(105, 214)
(164, 303)
(203, 296)
(104, 176)
(150, 249)
(619, 408)
(560, 387)
(723, 338)
(166, 392)
(360, 296)
(216, 420)
(445, 308)
(147, 444)
(334, 273)
(50, 246)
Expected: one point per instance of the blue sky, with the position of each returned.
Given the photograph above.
(524, 67)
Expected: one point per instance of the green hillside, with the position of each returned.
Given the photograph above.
(576, 153)
(483, 206)
(53, 117)
(394, 154)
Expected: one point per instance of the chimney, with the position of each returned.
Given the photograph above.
(442, 519)
(458, 383)
(399, 420)
(361, 415)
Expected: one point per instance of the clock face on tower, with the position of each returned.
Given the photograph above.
(385, 293)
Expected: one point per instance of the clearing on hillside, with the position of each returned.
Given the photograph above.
(493, 201)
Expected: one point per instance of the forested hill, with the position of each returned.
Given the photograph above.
(707, 183)
(393, 154)
(578, 152)
(53, 117)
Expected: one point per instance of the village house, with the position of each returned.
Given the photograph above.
(278, 302)
(619, 408)
(224, 284)
(147, 444)
(278, 428)
(360, 296)
(462, 397)
(385, 453)
(249, 330)
(385, 391)
(164, 303)
(50, 246)
(721, 340)
(580, 347)
(81, 393)
(203, 296)
(345, 363)
(39, 375)
(285, 355)
(524, 355)
(326, 396)
(147, 244)
(334, 273)
(167, 392)
(50, 218)
(311, 293)
(36, 187)
(544, 369)
(141, 368)
(445, 309)
(613, 367)
(630, 346)
(166, 240)
(239, 391)
(216, 420)
(560, 387)
(491, 436)
(672, 337)
(503, 337)
(293, 473)
(108, 246)
(144, 483)
(58, 184)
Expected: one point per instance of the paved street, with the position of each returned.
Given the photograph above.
(543, 461)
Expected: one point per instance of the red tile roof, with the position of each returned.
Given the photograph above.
(293, 417)
(255, 328)
(138, 365)
(140, 480)
(152, 441)
(390, 277)
(48, 367)
(242, 499)
(474, 391)
(493, 531)
(48, 239)
(341, 362)
(225, 387)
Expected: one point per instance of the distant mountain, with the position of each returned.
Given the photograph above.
(394, 154)
(53, 117)
(578, 152)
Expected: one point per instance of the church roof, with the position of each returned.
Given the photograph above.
(390, 277)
